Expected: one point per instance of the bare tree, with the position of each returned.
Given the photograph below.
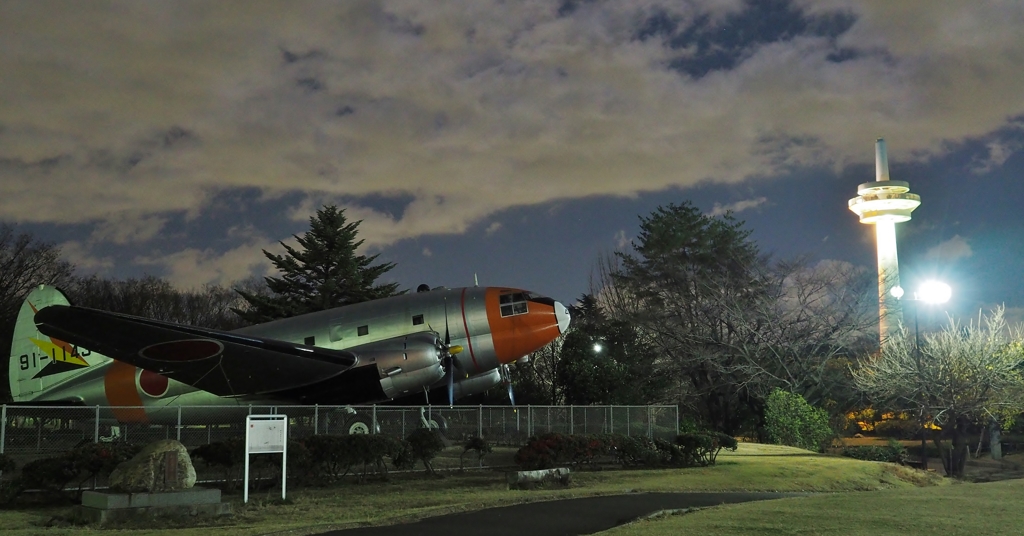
(962, 375)
(804, 331)
(153, 297)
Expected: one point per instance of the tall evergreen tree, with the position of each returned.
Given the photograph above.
(323, 273)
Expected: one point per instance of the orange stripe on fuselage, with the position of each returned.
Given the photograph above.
(518, 335)
(119, 384)
(465, 327)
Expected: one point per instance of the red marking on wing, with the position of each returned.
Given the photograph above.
(153, 384)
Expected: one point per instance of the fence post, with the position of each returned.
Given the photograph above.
(650, 422)
(480, 421)
(316, 419)
(611, 419)
(179, 425)
(373, 424)
(3, 427)
(572, 420)
(96, 426)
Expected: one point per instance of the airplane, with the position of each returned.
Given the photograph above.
(138, 369)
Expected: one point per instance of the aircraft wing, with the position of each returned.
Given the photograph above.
(219, 362)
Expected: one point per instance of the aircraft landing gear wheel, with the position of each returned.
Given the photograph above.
(358, 425)
(437, 422)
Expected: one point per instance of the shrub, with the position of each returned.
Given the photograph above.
(478, 444)
(6, 463)
(227, 456)
(551, 449)
(50, 474)
(893, 453)
(423, 445)
(641, 451)
(702, 448)
(790, 420)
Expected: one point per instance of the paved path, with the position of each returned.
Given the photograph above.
(557, 518)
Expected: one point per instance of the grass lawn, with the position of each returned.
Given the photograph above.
(991, 508)
(861, 495)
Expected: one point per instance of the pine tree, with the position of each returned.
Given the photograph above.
(323, 273)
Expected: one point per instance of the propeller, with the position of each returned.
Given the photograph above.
(506, 378)
(449, 357)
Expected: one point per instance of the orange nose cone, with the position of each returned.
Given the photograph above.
(521, 322)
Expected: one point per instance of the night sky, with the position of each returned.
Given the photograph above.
(515, 140)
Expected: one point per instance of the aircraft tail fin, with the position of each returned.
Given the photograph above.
(38, 362)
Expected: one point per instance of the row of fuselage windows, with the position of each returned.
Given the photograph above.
(509, 305)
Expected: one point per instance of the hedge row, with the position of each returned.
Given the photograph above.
(315, 460)
(73, 468)
(322, 459)
(686, 450)
(893, 453)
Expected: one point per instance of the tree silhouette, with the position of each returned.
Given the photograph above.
(324, 272)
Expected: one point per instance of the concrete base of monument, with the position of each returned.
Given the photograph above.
(103, 507)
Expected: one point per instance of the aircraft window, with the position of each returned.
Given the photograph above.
(512, 304)
(363, 330)
(417, 320)
(310, 341)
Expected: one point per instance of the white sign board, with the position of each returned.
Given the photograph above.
(266, 434)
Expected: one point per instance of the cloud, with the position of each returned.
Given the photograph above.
(427, 252)
(82, 256)
(621, 240)
(950, 250)
(128, 228)
(737, 207)
(492, 228)
(998, 152)
(468, 107)
(193, 267)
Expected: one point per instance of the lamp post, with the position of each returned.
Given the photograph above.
(931, 292)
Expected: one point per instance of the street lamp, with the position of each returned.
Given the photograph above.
(931, 292)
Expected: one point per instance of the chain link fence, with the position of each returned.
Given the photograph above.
(32, 432)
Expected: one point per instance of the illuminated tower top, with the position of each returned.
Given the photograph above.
(884, 200)
(884, 203)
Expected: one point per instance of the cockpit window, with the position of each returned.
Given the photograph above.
(513, 303)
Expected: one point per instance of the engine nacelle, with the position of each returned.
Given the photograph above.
(477, 384)
(404, 364)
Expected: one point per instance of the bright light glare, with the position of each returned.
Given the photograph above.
(598, 348)
(935, 292)
(897, 292)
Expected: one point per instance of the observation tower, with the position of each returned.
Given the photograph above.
(884, 203)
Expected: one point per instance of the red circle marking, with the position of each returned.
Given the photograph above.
(153, 384)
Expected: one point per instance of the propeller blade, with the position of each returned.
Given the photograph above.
(511, 397)
(451, 384)
(447, 337)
